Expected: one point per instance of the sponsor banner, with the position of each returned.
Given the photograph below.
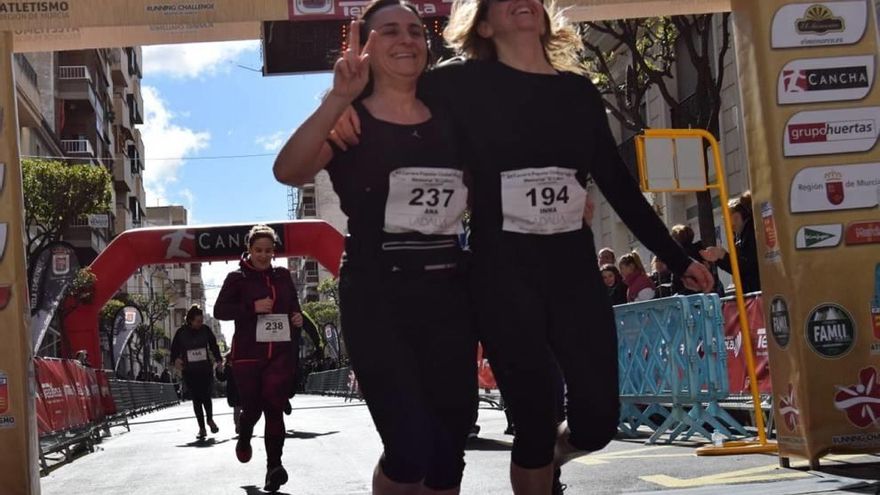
(125, 322)
(830, 330)
(819, 24)
(861, 401)
(52, 386)
(831, 131)
(4, 393)
(819, 236)
(780, 321)
(107, 401)
(304, 10)
(841, 187)
(176, 30)
(771, 239)
(184, 244)
(331, 336)
(737, 370)
(44, 427)
(816, 80)
(53, 270)
(863, 233)
(30, 14)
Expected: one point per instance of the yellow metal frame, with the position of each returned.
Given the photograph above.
(738, 447)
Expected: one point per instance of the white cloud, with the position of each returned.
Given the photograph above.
(165, 144)
(193, 60)
(272, 142)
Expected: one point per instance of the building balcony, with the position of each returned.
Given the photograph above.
(119, 70)
(26, 77)
(122, 175)
(78, 147)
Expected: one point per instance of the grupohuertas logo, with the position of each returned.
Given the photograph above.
(819, 24)
(34, 10)
(840, 187)
(825, 79)
(826, 132)
(819, 236)
(830, 330)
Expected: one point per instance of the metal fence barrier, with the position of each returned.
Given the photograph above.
(673, 367)
(338, 382)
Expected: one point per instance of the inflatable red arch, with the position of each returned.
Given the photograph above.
(186, 244)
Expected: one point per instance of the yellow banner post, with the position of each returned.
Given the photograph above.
(675, 179)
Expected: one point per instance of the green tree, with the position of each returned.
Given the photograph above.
(651, 46)
(322, 312)
(155, 309)
(56, 193)
(329, 289)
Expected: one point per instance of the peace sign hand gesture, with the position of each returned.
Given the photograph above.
(352, 70)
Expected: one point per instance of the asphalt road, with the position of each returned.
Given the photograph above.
(333, 447)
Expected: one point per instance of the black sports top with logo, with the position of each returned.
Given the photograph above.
(531, 141)
(402, 189)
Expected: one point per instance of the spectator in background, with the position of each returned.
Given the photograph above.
(606, 257)
(662, 277)
(745, 242)
(614, 282)
(684, 236)
(638, 284)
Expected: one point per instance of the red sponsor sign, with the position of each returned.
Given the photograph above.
(107, 402)
(44, 426)
(58, 394)
(863, 233)
(737, 371)
(807, 133)
(303, 10)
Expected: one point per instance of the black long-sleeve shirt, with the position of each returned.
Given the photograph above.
(194, 345)
(508, 120)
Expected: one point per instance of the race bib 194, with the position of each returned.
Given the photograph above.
(196, 355)
(273, 328)
(427, 200)
(543, 201)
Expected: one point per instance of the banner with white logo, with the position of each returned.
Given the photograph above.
(826, 132)
(841, 187)
(814, 80)
(819, 24)
(54, 268)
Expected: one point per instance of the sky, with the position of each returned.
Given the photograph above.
(212, 125)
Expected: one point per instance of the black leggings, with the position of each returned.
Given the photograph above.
(199, 384)
(414, 356)
(543, 308)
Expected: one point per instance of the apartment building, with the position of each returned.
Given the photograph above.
(83, 107)
(314, 201)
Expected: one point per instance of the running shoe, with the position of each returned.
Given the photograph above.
(213, 426)
(276, 477)
(474, 433)
(558, 486)
(202, 434)
(288, 408)
(243, 449)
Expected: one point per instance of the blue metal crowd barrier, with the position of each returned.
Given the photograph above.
(671, 358)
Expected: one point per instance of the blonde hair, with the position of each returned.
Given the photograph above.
(632, 259)
(562, 41)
